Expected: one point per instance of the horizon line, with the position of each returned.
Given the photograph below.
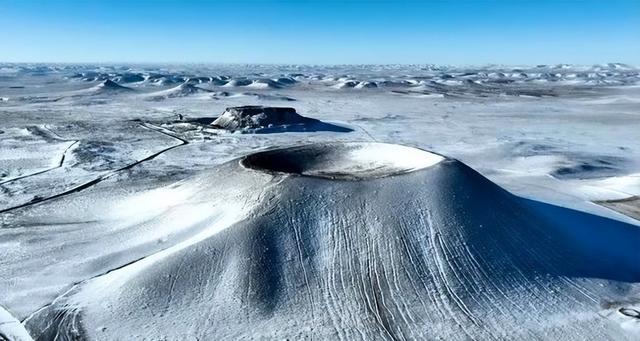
(151, 63)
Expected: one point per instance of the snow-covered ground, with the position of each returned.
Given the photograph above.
(125, 214)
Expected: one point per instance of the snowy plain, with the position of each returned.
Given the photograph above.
(124, 214)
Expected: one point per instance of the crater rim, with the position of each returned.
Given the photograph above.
(342, 160)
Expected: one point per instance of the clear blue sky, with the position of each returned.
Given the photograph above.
(322, 32)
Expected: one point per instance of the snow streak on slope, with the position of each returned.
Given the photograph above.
(11, 329)
(437, 252)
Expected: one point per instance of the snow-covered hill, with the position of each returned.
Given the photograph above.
(361, 241)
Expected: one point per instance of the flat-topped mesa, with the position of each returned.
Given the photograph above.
(256, 117)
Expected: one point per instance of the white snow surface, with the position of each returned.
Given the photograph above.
(457, 205)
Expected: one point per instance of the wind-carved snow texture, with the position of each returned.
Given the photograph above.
(125, 214)
(436, 252)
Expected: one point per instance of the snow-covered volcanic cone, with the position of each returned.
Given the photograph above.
(110, 86)
(182, 90)
(362, 241)
(105, 88)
